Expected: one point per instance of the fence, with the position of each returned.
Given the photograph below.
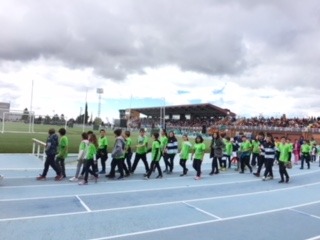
(38, 148)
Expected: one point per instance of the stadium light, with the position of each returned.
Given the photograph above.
(99, 91)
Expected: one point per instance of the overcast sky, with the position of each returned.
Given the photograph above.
(253, 57)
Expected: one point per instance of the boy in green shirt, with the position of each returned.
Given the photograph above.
(102, 150)
(283, 159)
(155, 157)
(305, 153)
(62, 152)
(245, 149)
(128, 154)
(184, 154)
(141, 152)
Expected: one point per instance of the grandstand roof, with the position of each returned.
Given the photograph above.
(199, 110)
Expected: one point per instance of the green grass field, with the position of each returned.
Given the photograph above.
(18, 142)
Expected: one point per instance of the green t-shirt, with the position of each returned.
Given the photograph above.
(199, 150)
(91, 152)
(128, 144)
(284, 152)
(156, 151)
(228, 148)
(255, 146)
(164, 142)
(63, 147)
(245, 147)
(103, 142)
(185, 150)
(142, 145)
(305, 148)
(290, 147)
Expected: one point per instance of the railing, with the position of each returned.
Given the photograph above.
(38, 148)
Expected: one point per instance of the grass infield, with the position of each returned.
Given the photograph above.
(21, 142)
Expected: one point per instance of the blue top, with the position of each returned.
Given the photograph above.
(52, 144)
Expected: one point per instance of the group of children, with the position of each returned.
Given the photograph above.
(245, 153)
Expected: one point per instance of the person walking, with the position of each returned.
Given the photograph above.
(155, 157)
(184, 154)
(118, 154)
(283, 160)
(217, 148)
(81, 156)
(197, 155)
(91, 160)
(102, 151)
(51, 151)
(269, 151)
(171, 150)
(63, 151)
(245, 149)
(141, 151)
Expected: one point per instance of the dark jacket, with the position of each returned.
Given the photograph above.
(217, 147)
(52, 144)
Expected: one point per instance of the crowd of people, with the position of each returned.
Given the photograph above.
(245, 153)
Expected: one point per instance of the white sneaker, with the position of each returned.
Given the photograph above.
(73, 179)
(264, 179)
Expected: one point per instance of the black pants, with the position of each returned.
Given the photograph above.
(128, 157)
(154, 164)
(137, 157)
(214, 165)
(166, 162)
(305, 157)
(50, 162)
(269, 164)
(261, 161)
(255, 159)
(103, 155)
(87, 165)
(116, 163)
(171, 161)
(283, 171)
(245, 161)
(197, 166)
(61, 166)
(183, 165)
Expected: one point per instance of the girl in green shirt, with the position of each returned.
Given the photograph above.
(198, 154)
(155, 157)
(184, 154)
(283, 159)
(90, 159)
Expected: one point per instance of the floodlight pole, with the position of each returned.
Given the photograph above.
(99, 91)
(84, 114)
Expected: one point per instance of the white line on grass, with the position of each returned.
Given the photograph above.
(204, 222)
(83, 204)
(202, 211)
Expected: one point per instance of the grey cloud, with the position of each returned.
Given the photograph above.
(118, 38)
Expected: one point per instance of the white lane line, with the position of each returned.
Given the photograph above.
(156, 205)
(305, 213)
(203, 222)
(172, 188)
(202, 211)
(83, 204)
(314, 238)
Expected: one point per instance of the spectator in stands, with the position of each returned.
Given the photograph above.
(51, 151)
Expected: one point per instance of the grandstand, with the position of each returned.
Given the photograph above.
(207, 118)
